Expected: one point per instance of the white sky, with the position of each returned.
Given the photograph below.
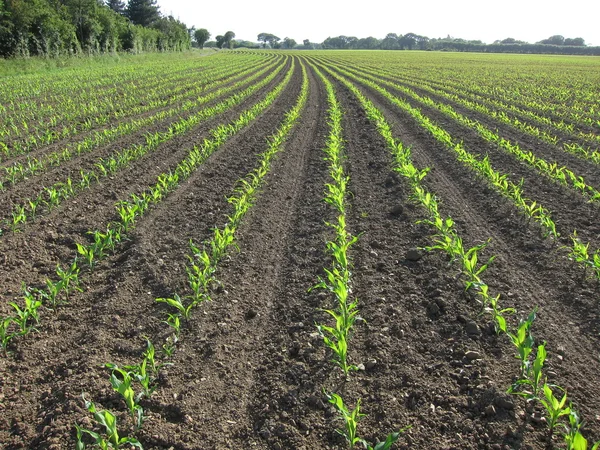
(527, 20)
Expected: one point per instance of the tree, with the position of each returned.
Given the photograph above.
(553, 40)
(201, 36)
(220, 40)
(117, 6)
(390, 42)
(369, 43)
(268, 37)
(143, 12)
(228, 38)
(579, 42)
(412, 40)
(244, 44)
(340, 42)
(174, 34)
(83, 15)
(289, 43)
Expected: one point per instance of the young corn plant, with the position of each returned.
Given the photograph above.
(110, 439)
(351, 419)
(53, 198)
(471, 268)
(51, 294)
(579, 252)
(121, 381)
(532, 380)
(336, 338)
(498, 315)
(555, 407)
(5, 333)
(33, 205)
(177, 302)
(573, 436)
(88, 254)
(174, 321)
(146, 372)
(18, 217)
(69, 278)
(169, 345)
(127, 213)
(29, 313)
(523, 341)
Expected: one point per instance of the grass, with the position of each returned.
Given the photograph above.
(36, 65)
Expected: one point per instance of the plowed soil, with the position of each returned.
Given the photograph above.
(251, 369)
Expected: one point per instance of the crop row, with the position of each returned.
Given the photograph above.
(104, 242)
(338, 277)
(69, 122)
(512, 86)
(52, 196)
(552, 170)
(201, 274)
(499, 181)
(531, 383)
(35, 97)
(490, 101)
(18, 171)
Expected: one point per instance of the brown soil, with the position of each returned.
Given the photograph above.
(250, 369)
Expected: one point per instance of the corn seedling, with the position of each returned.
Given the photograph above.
(351, 419)
(18, 217)
(69, 278)
(50, 295)
(5, 334)
(86, 179)
(127, 213)
(573, 437)
(121, 381)
(336, 338)
(497, 313)
(174, 321)
(146, 372)
(53, 197)
(27, 314)
(169, 346)
(33, 205)
(177, 303)
(470, 267)
(555, 408)
(523, 341)
(110, 439)
(533, 376)
(579, 252)
(88, 254)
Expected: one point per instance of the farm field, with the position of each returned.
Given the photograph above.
(233, 251)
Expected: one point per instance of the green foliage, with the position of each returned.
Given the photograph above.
(43, 28)
(268, 38)
(351, 419)
(201, 35)
(555, 408)
(573, 437)
(110, 439)
(142, 12)
(523, 341)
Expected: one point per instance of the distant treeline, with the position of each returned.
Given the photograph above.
(553, 45)
(70, 27)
